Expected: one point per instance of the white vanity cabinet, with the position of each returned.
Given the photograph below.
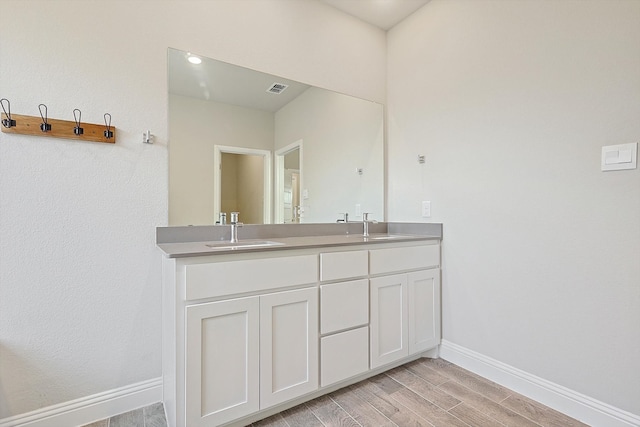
(240, 335)
(249, 333)
(250, 353)
(405, 301)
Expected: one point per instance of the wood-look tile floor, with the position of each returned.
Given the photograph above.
(426, 392)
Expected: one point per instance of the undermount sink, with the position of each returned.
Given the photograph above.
(243, 244)
(389, 237)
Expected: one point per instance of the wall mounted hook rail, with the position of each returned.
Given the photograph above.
(32, 125)
(8, 122)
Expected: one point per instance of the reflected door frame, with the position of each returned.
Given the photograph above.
(279, 174)
(218, 150)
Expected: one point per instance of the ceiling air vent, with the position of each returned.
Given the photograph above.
(277, 88)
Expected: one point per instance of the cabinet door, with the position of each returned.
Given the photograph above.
(222, 365)
(389, 319)
(424, 310)
(288, 345)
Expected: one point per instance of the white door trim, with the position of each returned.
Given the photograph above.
(279, 178)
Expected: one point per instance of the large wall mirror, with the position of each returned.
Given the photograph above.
(275, 150)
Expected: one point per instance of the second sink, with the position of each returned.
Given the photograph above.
(243, 244)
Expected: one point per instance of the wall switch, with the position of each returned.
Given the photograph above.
(358, 209)
(619, 157)
(426, 209)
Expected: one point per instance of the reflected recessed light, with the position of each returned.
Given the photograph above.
(194, 59)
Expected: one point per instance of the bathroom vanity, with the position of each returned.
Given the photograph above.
(290, 313)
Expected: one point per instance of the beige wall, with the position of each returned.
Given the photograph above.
(511, 102)
(79, 271)
(195, 127)
(251, 189)
(332, 154)
(229, 184)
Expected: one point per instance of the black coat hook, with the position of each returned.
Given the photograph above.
(8, 122)
(44, 127)
(77, 130)
(108, 133)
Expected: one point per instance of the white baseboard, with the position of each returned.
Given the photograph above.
(91, 408)
(569, 402)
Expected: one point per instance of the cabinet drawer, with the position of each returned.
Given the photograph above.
(343, 265)
(235, 277)
(405, 258)
(344, 355)
(344, 305)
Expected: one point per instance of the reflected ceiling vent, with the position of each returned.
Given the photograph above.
(277, 88)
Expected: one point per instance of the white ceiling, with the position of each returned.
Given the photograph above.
(226, 83)
(381, 13)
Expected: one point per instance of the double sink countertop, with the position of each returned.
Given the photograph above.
(185, 241)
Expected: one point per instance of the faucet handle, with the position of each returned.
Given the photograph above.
(234, 217)
(222, 218)
(365, 218)
(345, 217)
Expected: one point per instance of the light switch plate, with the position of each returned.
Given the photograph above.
(619, 157)
(426, 209)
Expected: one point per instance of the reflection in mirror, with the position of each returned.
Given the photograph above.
(289, 184)
(221, 114)
(243, 183)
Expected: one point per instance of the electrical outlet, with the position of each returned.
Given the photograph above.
(358, 210)
(426, 209)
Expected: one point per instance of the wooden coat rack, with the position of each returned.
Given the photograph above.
(33, 125)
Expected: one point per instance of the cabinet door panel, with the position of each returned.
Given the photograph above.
(222, 361)
(424, 310)
(389, 319)
(288, 345)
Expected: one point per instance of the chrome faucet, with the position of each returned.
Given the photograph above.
(365, 223)
(222, 218)
(345, 217)
(234, 226)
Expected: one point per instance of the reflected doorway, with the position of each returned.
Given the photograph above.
(243, 183)
(288, 205)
